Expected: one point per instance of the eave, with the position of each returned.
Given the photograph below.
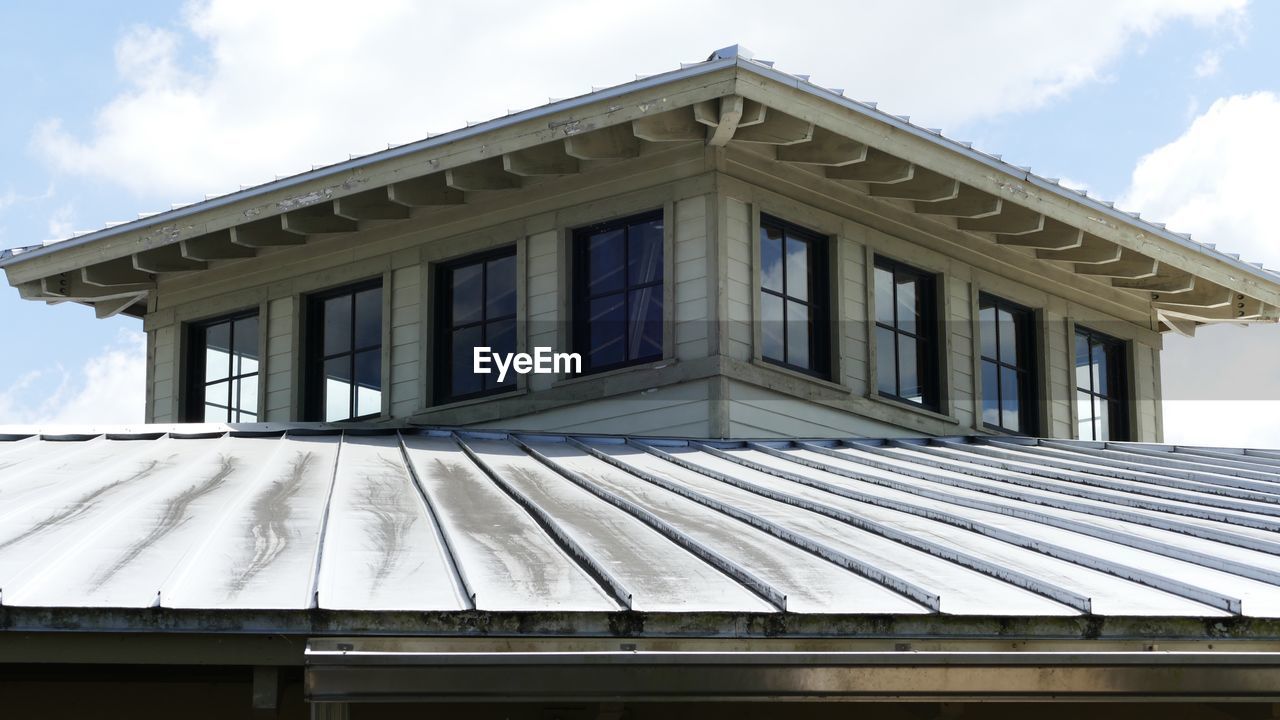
(728, 99)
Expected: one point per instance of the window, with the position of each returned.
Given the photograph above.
(906, 334)
(794, 330)
(617, 291)
(1102, 408)
(476, 306)
(222, 369)
(344, 353)
(1007, 336)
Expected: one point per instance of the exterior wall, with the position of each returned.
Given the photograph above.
(712, 381)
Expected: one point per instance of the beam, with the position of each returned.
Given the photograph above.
(1053, 235)
(1203, 294)
(547, 159)
(611, 143)
(71, 286)
(1167, 280)
(1011, 220)
(114, 273)
(264, 233)
(670, 126)
(824, 148)
(722, 120)
(924, 184)
(213, 246)
(1182, 326)
(487, 174)
(168, 258)
(969, 203)
(1092, 250)
(317, 220)
(778, 128)
(370, 205)
(111, 307)
(1240, 309)
(877, 167)
(1131, 264)
(425, 191)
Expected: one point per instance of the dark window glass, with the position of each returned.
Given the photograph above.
(344, 356)
(906, 334)
(1006, 334)
(222, 370)
(1101, 402)
(617, 292)
(793, 297)
(476, 307)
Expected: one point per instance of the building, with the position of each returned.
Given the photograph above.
(771, 289)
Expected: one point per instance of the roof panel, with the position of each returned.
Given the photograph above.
(431, 521)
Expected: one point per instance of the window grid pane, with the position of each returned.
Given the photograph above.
(485, 284)
(223, 363)
(345, 366)
(1101, 402)
(1008, 385)
(618, 292)
(793, 305)
(905, 334)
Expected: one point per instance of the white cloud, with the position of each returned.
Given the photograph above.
(108, 389)
(1216, 180)
(60, 223)
(1209, 65)
(243, 90)
(1222, 387)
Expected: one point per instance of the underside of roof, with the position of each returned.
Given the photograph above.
(729, 100)
(583, 532)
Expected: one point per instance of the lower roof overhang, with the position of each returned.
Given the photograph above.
(425, 670)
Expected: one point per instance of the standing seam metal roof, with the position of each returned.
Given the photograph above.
(268, 518)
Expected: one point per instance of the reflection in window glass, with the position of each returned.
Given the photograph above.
(906, 334)
(1006, 331)
(618, 292)
(477, 308)
(793, 297)
(1101, 405)
(345, 367)
(223, 366)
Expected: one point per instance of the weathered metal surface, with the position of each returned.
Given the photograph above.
(231, 526)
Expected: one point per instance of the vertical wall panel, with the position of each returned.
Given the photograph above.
(691, 301)
(740, 259)
(280, 349)
(164, 375)
(406, 335)
(542, 307)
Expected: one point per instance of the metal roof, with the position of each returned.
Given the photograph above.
(263, 518)
(732, 56)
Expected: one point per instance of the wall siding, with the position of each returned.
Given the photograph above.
(542, 307)
(740, 261)
(406, 336)
(692, 338)
(164, 374)
(280, 371)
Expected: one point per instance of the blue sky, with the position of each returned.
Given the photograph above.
(138, 105)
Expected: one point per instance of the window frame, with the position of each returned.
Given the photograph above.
(819, 284)
(313, 350)
(933, 342)
(1117, 380)
(442, 370)
(580, 299)
(1025, 323)
(194, 356)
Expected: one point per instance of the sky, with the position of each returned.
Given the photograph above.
(1168, 107)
